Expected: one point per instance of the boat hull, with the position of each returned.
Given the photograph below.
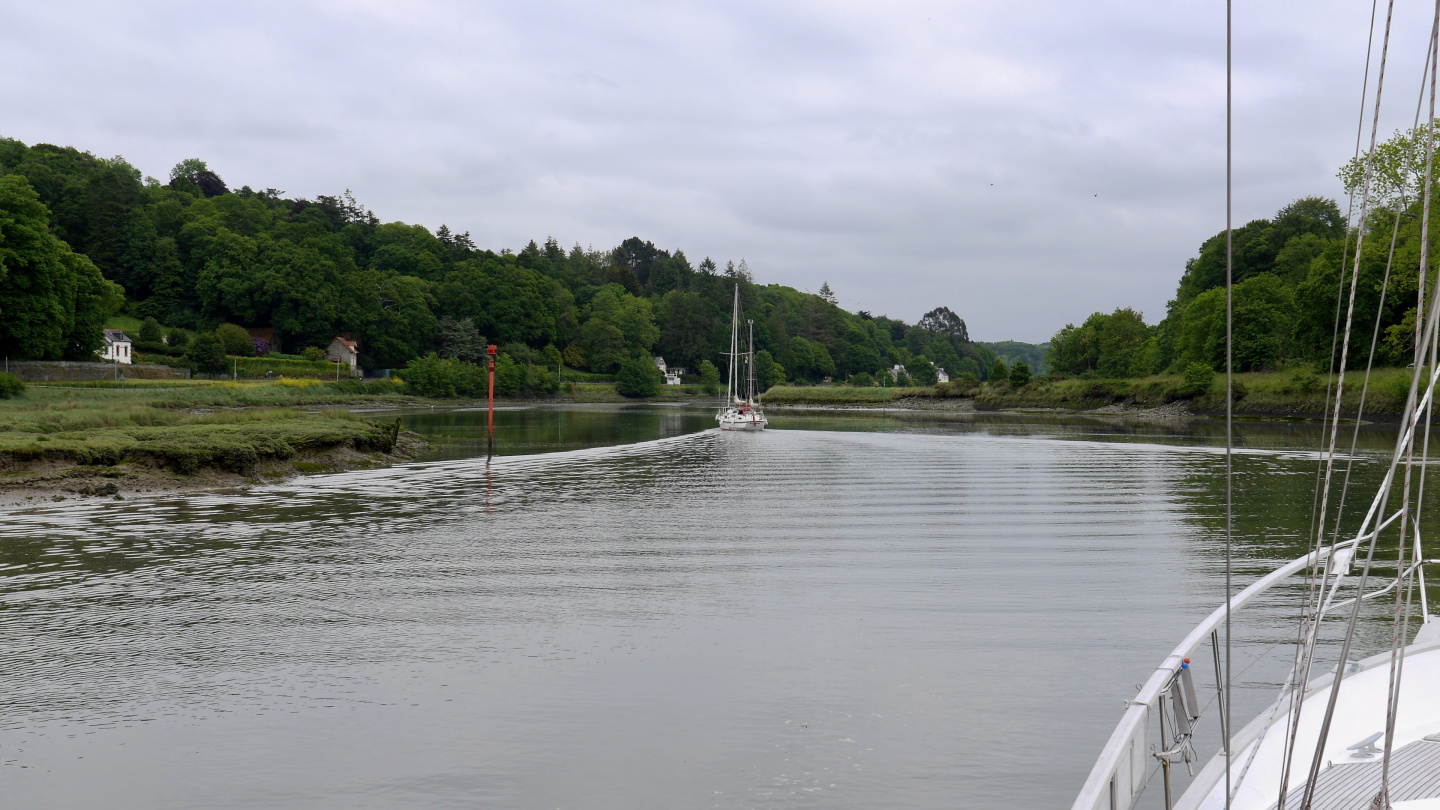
(735, 420)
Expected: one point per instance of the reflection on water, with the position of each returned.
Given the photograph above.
(847, 611)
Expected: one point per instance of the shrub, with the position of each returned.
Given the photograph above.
(235, 339)
(178, 338)
(709, 377)
(638, 377)
(262, 346)
(435, 376)
(1020, 375)
(998, 371)
(862, 380)
(1197, 379)
(150, 331)
(313, 353)
(1305, 381)
(10, 386)
(207, 353)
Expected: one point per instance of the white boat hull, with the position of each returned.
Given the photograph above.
(739, 420)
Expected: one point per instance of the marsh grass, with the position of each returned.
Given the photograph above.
(228, 426)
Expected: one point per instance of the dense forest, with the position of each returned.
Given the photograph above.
(83, 237)
(1287, 285)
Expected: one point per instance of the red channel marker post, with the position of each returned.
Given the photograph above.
(491, 350)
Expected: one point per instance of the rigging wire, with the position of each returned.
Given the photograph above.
(1325, 462)
(1401, 617)
(1229, 380)
(1340, 384)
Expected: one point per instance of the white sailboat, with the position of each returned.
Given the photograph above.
(740, 410)
(1341, 734)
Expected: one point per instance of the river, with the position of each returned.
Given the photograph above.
(628, 609)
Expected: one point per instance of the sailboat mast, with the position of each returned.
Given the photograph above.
(731, 380)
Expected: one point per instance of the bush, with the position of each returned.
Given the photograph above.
(236, 340)
(862, 380)
(435, 376)
(1305, 381)
(10, 386)
(1020, 375)
(207, 353)
(638, 377)
(1197, 379)
(262, 346)
(709, 377)
(178, 338)
(150, 331)
(313, 353)
(999, 372)
(145, 347)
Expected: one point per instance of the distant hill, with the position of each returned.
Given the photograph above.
(1033, 354)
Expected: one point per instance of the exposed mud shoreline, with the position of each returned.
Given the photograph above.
(34, 482)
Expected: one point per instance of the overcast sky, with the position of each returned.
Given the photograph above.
(1022, 163)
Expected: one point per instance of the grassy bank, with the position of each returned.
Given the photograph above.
(1276, 393)
(96, 438)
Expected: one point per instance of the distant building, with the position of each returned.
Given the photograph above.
(117, 347)
(941, 375)
(344, 351)
(672, 377)
(897, 370)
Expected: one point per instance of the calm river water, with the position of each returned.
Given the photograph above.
(628, 609)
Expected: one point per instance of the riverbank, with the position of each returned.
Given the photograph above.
(88, 440)
(1265, 395)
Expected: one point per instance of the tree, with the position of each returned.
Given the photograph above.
(921, 370)
(458, 340)
(1020, 375)
(603, 345)
(638, 377)
(53, 302)
(150, 331)
(235, 340)
(998, 371)
(767, 372)
(709, 377)
(827, 295)
(207, 352)
(942, 321)
(390, 315)
(177, 337)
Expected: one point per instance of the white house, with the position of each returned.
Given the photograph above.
(672, 377)
(344, 351)
(941, 376)
(117, 347)
(897, 370)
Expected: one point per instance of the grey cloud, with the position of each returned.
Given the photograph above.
(850, 142)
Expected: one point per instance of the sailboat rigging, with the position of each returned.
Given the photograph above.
(1365, 734)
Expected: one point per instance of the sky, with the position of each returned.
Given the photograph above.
(1024, 164)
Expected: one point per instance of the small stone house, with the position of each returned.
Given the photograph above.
(344, 351)
(117, 348)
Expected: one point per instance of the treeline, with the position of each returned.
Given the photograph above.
(1287, 283)
(193, 254)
